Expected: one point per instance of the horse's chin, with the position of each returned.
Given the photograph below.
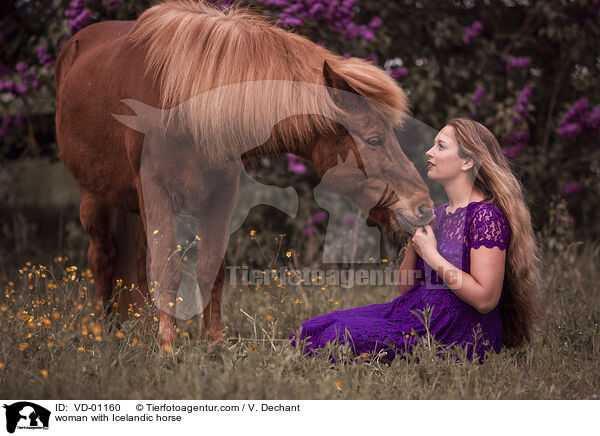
(403, 224)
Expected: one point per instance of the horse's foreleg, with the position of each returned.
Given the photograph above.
(141, 254)
(165, 265)
(101, 255)
(210, 269)
(211, 316)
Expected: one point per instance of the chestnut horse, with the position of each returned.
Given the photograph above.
(188, 54)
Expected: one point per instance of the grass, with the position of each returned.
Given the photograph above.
(53, 346)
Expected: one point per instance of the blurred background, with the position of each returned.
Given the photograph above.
(528, 70)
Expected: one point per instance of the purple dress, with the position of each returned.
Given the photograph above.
(394, 327)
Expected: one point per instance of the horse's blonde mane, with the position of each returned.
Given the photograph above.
(193, 47)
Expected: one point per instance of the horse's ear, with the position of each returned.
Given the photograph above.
(337, 82)
(145, 116)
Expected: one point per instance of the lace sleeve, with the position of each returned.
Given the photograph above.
(489, 228)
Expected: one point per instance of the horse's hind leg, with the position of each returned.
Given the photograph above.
(101, 255)
(211, 317)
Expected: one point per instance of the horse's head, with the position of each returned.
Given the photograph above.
(391, 190)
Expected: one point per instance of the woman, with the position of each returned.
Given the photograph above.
(478, 264)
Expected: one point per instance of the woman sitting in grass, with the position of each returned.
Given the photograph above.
(477, 266)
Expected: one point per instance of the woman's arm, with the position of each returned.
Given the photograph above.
(408, 268)
(482, 288)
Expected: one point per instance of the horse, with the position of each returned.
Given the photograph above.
(237, 87)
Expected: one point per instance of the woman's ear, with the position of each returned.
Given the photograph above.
(468, 164)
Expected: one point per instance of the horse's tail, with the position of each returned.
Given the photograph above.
(127, 233)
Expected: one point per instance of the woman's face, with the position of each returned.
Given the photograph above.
(443, 161)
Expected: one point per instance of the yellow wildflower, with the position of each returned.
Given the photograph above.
(252, 232)
(44, 373)
(119, 334)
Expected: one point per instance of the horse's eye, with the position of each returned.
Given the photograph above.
(375, 141)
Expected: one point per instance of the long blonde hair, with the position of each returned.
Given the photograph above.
(521, 296)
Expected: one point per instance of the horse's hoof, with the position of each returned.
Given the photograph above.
(167, 339)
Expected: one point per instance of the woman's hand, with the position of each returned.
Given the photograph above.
(424, 242)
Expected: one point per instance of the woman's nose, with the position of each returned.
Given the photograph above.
(428, 153)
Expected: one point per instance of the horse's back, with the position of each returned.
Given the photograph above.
(90, 38)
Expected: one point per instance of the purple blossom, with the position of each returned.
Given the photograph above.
(352, 30)
(399, 73)
(275, 3)
(295, 164)
(518, 62)
(366, 33)
(30, 76)
(522, 102)
(338, 14)
(7, 123)
(568, 130)
(316, 11)
(309, 231)
(372, 57)
(19, 89)
(577, 113)
(44, 57)
(80, 21)
(111, 5)
(318, 217)
(519, 136)
(289, 22)
(78, 16)
(375, 23)
(75, 8)
(6, 86)
(21, 68)
(20, 120)
(349, 219)
(472, 32)
(570, 219)
(571, 188)
(513, 151)
(478, 96)
(593, 121)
